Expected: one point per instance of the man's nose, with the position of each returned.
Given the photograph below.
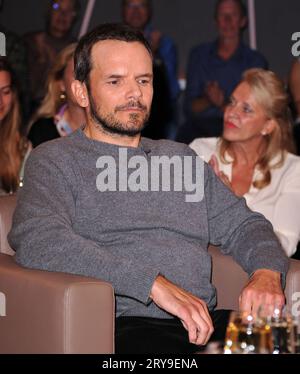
(134, 90)
(228, 18)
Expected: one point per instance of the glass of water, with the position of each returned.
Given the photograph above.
(284, 331)
(247, 334)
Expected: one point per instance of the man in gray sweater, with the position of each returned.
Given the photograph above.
(139, 213)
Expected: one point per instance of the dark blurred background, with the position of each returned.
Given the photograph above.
(188, 22)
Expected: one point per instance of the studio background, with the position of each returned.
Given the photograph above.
(188, 22)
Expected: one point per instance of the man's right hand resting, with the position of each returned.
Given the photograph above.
(191, 310)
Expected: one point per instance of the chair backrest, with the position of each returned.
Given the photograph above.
(7, 207)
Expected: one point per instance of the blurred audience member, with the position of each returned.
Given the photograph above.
(294, 86)
(214, 69)
(14, 147)
(59, 114)
(43, 46)
(253, 156)
(17, 58)
(138, 14)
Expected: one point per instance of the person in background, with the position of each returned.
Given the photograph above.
(162, 122)
(253, 157)
(294, 86)
(138, 14)
(43, 46)
(214, 70)
(59, 113)
(16, 54)
(14, 146)
(151, 244)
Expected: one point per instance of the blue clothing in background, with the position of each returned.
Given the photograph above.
(204, 66)
(167, 52)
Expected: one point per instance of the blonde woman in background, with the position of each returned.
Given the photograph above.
(59, 113)
(14, 146)
(253, 157)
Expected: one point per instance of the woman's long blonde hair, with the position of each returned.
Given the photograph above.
(12, 144)
(53, 100)
(269, 92)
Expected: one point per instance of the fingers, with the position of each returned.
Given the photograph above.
(224, 179)
(252, 301)
(198, 323)
(245, 303)
(213, 162)
(205, 330)
(191, 310)
(200, 332)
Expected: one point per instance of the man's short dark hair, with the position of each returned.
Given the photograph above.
(240, 4)
(76, 6)
(108, 31)
(147, 2)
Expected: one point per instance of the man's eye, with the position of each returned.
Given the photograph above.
(143, 81)
(114, 82)
(7, 91)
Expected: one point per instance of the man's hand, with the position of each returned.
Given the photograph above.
(191, 310)
(155, 38)
(263, 289)
(215, 94)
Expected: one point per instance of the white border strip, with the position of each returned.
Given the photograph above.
(252, 24)
(87, 18)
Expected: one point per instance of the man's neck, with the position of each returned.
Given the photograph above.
(74, 116)
(227, 47)
(94, 132)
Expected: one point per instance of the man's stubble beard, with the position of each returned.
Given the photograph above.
(110, 124)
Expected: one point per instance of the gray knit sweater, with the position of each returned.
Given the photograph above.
(64, 223)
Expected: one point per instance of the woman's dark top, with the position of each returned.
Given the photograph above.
(43, 130)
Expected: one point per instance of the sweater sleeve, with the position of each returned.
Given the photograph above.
(241, 233)
(43, 234)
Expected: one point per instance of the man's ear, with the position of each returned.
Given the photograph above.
(80, 93)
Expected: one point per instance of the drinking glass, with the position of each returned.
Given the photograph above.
(247, 334)
(284, 331)
(296, 332)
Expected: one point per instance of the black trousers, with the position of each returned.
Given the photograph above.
(166, 336)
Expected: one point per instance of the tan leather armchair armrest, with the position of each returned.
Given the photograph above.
(229, 279)
(54, 312)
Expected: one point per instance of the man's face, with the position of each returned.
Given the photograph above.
(62, 17)
(229, 20)
(136, 14)
(121, 90)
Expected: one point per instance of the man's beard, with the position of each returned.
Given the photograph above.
(110, 123)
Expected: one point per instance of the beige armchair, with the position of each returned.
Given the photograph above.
(50, 312)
